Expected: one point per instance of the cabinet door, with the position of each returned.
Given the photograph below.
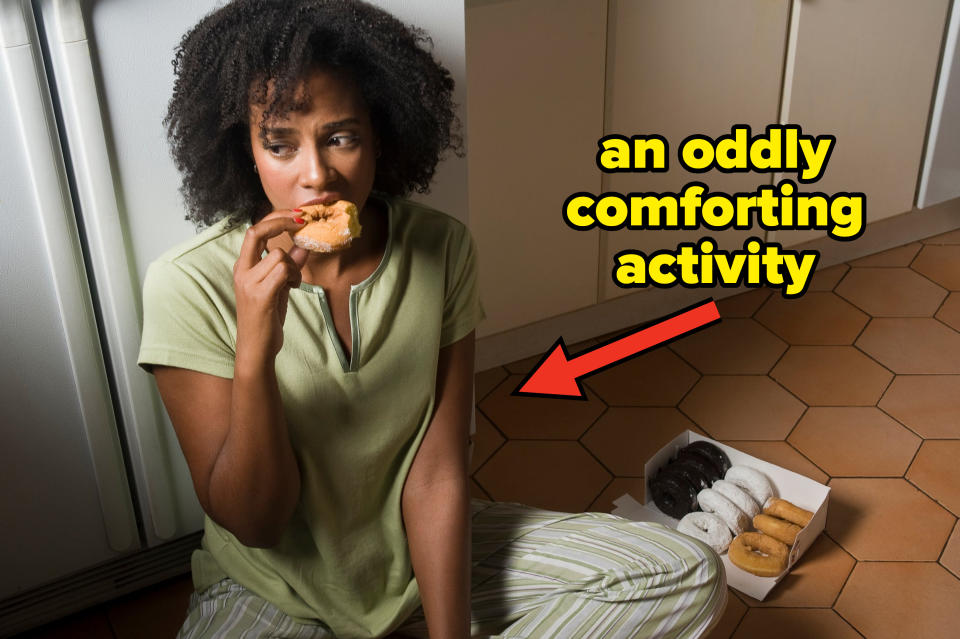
(941, 168)
(535, 107)
(864, 71)
(683, 67)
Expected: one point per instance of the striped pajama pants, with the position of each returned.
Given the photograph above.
(536, 574)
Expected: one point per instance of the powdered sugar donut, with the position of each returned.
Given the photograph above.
(752, 481)
(713, 502)
(708, 528)
(739, 497)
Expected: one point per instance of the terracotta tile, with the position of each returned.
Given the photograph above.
(826, 279)
(941, 264)
(477, 491)
(891, 292)
(936, 472)
(486, 440)
(895, 600)
(656, 378)
(524, 366)
(556, 475)
(928, 404)
(781, 454)
(852, 441)
(487, 380)
(623, 439)
(950, 237)
(949, 313)
(886, 520)
(921, 346)
(634, 486)
(734, 346)
(814, 581)
(742, 407)
(899, 256)
(766, 623)
(89, 624)
(832, 376)
(950, 559)
(157, 612)
(732, 615)
(743, 304)
(538, 417)
(815, 318)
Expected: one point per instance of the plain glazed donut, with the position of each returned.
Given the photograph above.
(777, 528)
(713, 502)
(785, 510)
(752, 481)
(708, 528)
(758, 554)
(330, 227)
(739, 497)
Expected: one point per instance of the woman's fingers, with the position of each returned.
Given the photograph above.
(255, 240)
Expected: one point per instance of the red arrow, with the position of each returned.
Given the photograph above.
(557, 375)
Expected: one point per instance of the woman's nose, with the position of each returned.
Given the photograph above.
(316, 172)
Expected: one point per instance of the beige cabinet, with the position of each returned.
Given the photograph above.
(683, 67)
(535, 113)
(864, 71)
(548, 78)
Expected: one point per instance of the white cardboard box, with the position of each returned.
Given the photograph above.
(795, 488)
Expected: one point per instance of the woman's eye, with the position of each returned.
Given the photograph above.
(343, 140)
(279, 149)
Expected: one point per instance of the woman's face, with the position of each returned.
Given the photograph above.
(320, 154)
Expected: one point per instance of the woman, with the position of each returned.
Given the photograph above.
(322, 401)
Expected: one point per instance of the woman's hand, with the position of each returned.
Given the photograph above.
(262, 287)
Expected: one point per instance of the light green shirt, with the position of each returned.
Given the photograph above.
(355, 424)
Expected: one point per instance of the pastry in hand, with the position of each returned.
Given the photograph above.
(329, 227)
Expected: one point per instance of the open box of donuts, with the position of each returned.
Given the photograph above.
(691, 480)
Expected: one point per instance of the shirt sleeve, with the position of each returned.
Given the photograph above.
(462, 309)
(182, 325)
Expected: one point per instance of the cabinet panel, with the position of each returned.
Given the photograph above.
(535, 72)
(683, 67)
(864, 71)
(941, 171)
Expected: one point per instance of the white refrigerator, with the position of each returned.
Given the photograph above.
(95, 496)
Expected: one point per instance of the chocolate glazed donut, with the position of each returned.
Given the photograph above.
(673, 494)
(697, 474)
(711, 452)
(703, 464)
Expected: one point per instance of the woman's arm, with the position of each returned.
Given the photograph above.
(232, 431)
(436, 499)
(235, 440)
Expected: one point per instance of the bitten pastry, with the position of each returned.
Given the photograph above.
(758, 554)
(708, 528)
(329, 228)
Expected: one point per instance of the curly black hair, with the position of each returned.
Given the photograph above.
(227, 60)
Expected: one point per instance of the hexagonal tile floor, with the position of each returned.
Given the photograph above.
(818, 385)
(870, 410)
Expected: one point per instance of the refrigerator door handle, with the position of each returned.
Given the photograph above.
(44, 162)
(115, 276)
